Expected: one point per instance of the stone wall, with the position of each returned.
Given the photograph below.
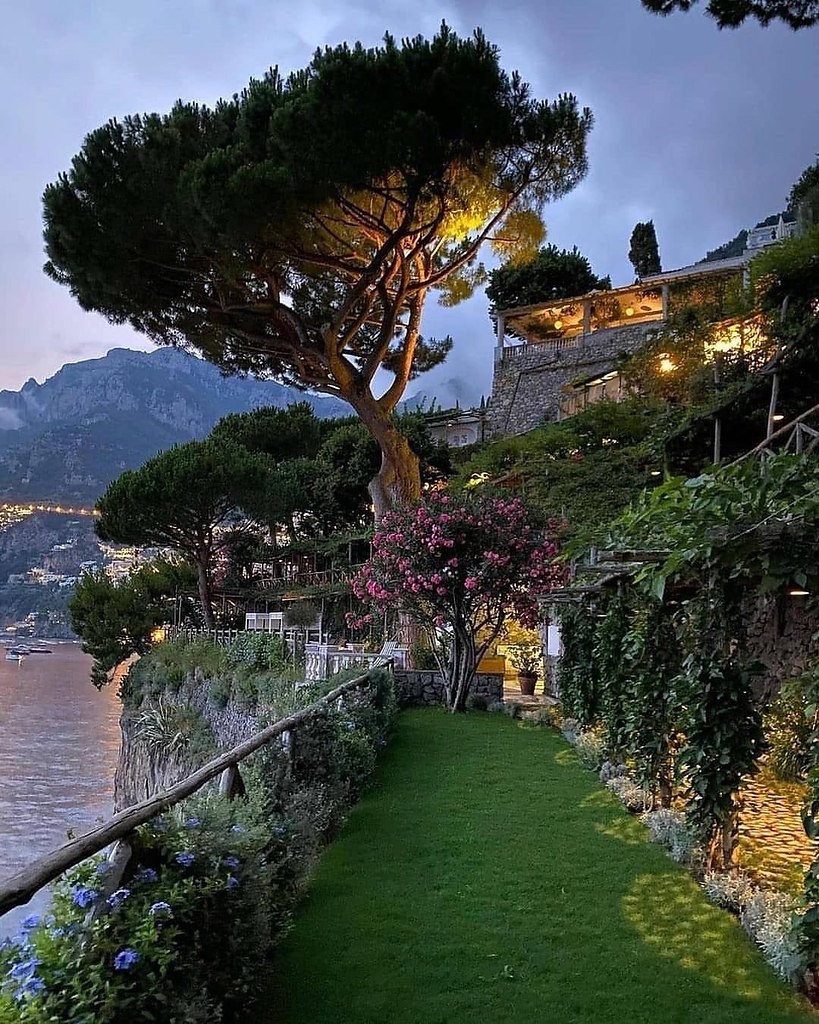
(528, 381)
(417, 687)
(781, 635)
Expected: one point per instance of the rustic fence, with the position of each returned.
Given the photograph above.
(18, 890)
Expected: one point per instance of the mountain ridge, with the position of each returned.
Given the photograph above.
(68, 437)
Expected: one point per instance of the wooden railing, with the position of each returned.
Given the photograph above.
(795, 436)
(310, 578)
(18, 890)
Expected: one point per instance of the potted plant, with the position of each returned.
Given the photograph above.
(526, 658)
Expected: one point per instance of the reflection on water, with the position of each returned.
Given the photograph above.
(59, 740)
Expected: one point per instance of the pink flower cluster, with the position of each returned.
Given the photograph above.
(461, 557)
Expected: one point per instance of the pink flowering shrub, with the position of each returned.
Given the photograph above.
(460, 564)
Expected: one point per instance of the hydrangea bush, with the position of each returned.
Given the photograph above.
(459, 565)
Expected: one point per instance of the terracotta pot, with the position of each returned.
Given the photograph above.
(526, 681)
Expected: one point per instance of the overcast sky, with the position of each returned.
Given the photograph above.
(703, 131)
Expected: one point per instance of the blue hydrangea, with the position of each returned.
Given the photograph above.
(193, 823)
(125, 959)
(232, 882)
(83, 896)
(231, 862)
(103, 867)
(30, 922)
(120, 896)
(351, 725)
(30, 988)
(185, 859)
(161, 909)
(146, 875)
(25, 969)
(238, 828)
(280, 830)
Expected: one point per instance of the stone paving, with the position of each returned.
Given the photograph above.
(772, 845)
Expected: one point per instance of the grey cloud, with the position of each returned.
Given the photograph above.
(702, 130)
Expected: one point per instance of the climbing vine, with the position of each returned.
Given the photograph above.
(667, 674)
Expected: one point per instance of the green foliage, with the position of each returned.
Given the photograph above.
(803, 199)
(723, 743)
(180, 499)
(296, 229)
(551, 273)
(650, 704)
(756, 520)
(788, 273)
(579, 682)
(732, 13)
(189, 932)
(259, 651)
(717, 538)
(643, 253)
(559, 466)
(115, 620)
(787, 733)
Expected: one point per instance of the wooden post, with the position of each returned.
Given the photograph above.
(665, 293)
(587, 316)
(717, 418)
(230, 783)
(772, 405)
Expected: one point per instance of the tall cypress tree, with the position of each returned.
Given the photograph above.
(643, 251)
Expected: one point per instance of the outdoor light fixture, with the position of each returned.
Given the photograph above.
(629, 310)
(656, 472)
(798, 592)
(558, 324)
(777, 417)
(667, 365)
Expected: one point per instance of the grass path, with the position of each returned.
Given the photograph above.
(488, 878)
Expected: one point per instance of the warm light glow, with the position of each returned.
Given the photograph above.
(629, 310)
(656, 472)
(558, 324)
(158, 634)
(667, 365)
(798, 592)
(737, 336)
(777, 417)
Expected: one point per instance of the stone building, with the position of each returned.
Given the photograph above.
(555, 358)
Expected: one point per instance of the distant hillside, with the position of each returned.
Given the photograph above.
(736, 247)
(68, 438)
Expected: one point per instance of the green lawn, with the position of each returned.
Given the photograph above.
(488, 878)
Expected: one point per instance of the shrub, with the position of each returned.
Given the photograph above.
(570, 729)
(673, 830)
(259, 651)
(768, 919)
(476, 702)
(731, 891)
(611, 770)
(590, 749)
(787, 731)
(630, 792)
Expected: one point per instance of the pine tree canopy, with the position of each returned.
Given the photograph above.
(732, 13)
(296, 229)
